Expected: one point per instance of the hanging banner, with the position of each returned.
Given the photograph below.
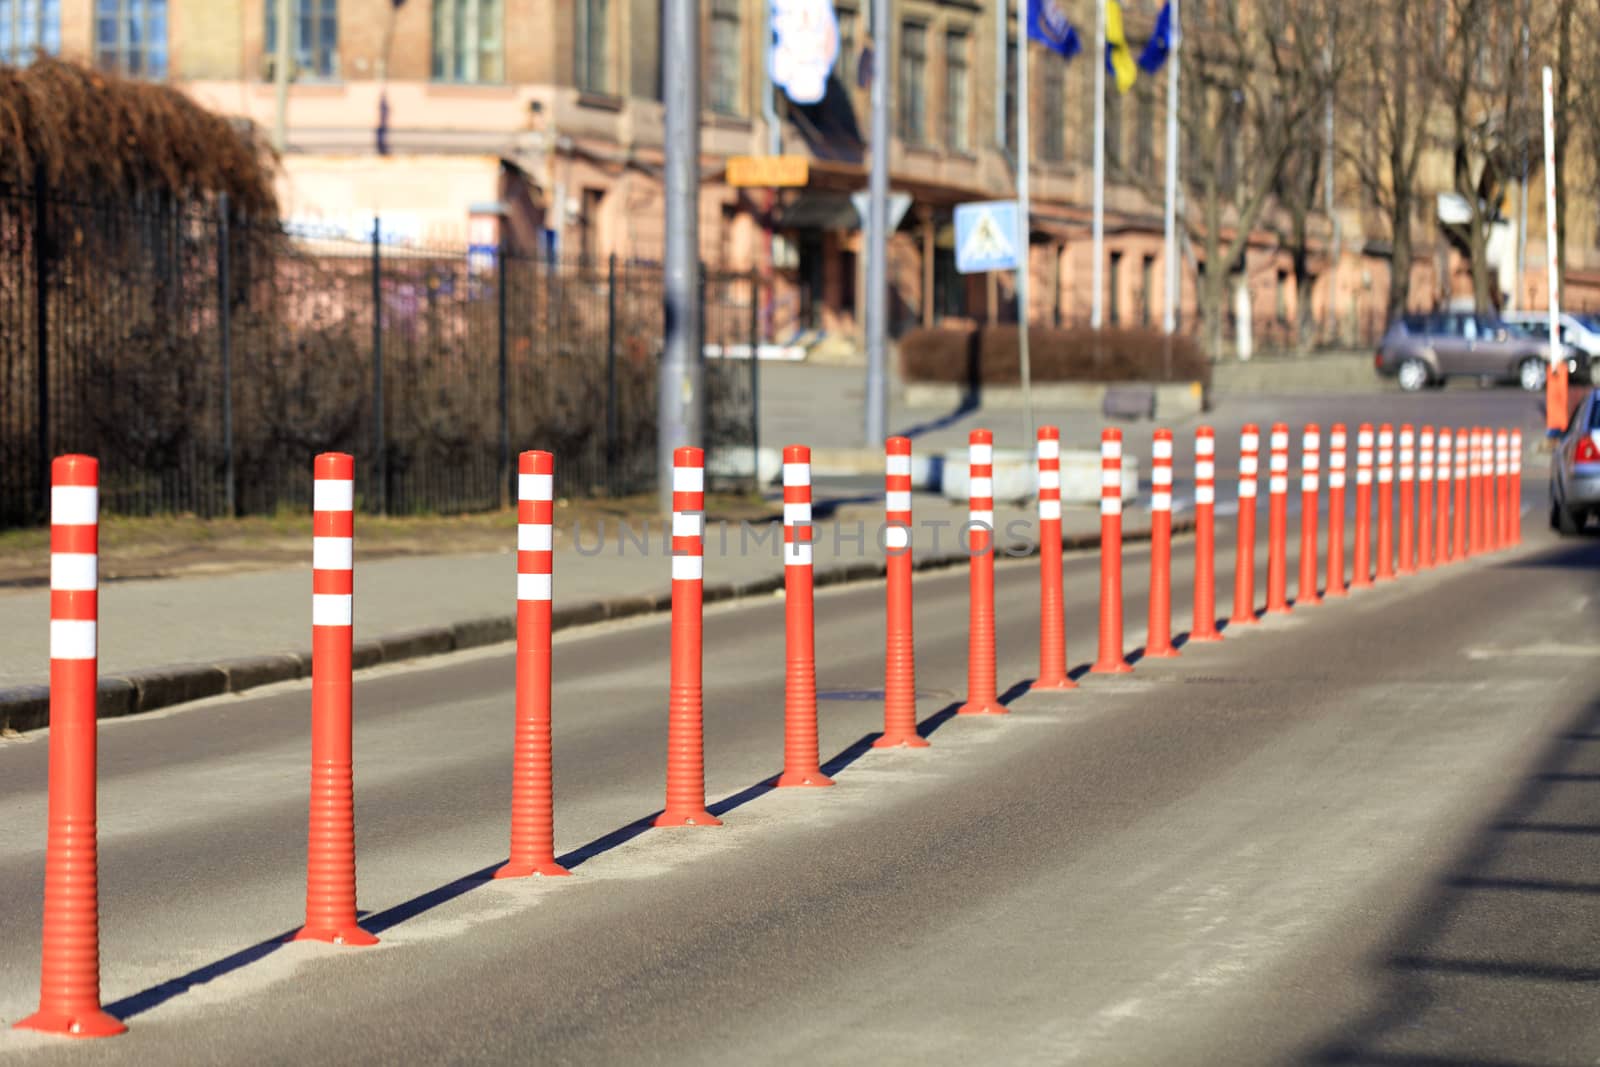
(805, 44)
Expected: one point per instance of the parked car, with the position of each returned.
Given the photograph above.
(1580, 332)
(1424, 351)
(1575, 470)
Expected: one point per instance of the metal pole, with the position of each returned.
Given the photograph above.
(225, 327)
(1556, 376)
(877, 233)
(380, 465)
(1522, 188)
(683, 358)
(282, 59)
(1328, 180)
(1097, 269)
(1024, 222)
(1169, 309)
(611, 373)
(755, 379)
(506, 496)
(769, 98)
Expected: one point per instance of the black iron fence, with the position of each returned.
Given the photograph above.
(205, 359)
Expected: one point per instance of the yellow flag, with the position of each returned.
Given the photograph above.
(1118, 56)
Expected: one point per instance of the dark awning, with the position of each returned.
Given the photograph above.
(817, 209)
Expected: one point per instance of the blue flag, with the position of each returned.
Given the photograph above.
(1160, 43)
(1047, 24)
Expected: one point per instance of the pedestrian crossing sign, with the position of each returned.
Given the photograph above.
(986, 236)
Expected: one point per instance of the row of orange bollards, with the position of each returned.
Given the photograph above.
(1485, 516)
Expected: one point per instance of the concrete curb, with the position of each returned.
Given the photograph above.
(27, 707)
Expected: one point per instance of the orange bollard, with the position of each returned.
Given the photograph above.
(982, 694)
(1408, 481)
(801, 758)
(1278, 522)
(331, 849)
(1204, 627)
(1385, 502)
(1516, 487)
(1110, 659)
(1158, 642)
(1310, 492)
(899, 659)
(686, 754)
(1244, 564)
(69, 979)
(1503, 490)
(532, 794)
(1336, 471)
(1475, 493)
(1463, 492)
(1441, 471)
(1361, 561)
(1425, 499)
(1052, 610)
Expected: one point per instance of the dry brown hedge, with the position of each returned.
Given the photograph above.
(96, 137)
(989, 356)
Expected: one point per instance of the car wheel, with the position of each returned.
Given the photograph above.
(1413, 375)
(1567, 524)
(1437, 383)
(1555, 515)
(1530, 375)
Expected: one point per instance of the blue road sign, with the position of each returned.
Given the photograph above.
(986, 236)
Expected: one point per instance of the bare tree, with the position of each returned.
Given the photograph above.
(1489, 121)
(1389, 101)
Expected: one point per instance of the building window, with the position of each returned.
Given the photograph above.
(315, 47)
(130, 37)
(957, 116)
(1053, 137)
(29, 26)
(1144, 132)
(594, 54)
(1010, 141)
(726, 58)
(1113, 126)
(1114, 284)
(467, 42)
(913, 82)
(1147, 289)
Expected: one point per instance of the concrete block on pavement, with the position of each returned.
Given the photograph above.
(735, 463)
(573, 615)
(24, 707)
(366, 654)
(476, 632)
(1016, 476)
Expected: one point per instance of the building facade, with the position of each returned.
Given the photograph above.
(540, 122)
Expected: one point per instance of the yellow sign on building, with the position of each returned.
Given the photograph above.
(768, 171)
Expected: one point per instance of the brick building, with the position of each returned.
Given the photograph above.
(547, 114)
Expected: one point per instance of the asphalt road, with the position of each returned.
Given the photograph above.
(1364, 833)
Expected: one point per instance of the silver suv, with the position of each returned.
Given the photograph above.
(1426, 350)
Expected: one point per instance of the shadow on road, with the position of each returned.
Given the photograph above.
(1497, 965)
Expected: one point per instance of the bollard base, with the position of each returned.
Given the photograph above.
(1308, 601)
(687, 818)
(800, 779)
(1207, 635)
(900, 741)
(1043, 685)
(1120, 666)
(90, 1022)
(550, 869)
(1279, 609)
(983, 707)
(1162, 653)
(351, 935)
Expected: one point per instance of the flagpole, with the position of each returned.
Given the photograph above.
(1024, 264)
(1097, 270)
(1169, 311)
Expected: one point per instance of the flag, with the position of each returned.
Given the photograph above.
(1119, 58)
(1160, 43)
(1047, 24)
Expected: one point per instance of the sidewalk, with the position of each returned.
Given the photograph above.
(235, 631)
